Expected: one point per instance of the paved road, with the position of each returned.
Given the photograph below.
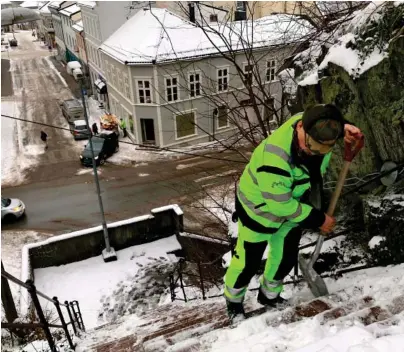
(57, 199)
(37, 90)
(70, 203)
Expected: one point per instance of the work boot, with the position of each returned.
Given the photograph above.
(235, 311)
(277, 302)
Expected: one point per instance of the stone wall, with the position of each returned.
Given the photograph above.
(374, 101)
(80, 245)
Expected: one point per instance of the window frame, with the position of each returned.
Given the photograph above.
(245, 64)
(166, 87)
(144, 79)
(227, 68)
(270, 70)
(194, 73)
(264, 110)
(218, 127)
(194, 111)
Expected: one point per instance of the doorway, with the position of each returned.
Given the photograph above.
(147, 126)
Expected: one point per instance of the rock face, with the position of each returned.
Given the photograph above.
(374, 100)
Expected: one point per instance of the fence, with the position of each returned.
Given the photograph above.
(177, 276)
(72, 308)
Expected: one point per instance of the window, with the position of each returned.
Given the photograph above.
(222, 120)
(213, 18)
(270, 71)
(269, 109)
(222, 79)
(185, 125)
(144, 91)
(194, 84)
(171, 89)
(248, 74)
(240, 5)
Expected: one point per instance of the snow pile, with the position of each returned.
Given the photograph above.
(356, 45)
(106, 290)
(375, 241)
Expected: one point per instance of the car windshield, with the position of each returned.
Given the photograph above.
(81, 127)
(97, 144)
(5, 202)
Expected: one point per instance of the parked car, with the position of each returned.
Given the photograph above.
(13, 42)
(104, 145)
(11, 208)
(72, 110)
(80, 130)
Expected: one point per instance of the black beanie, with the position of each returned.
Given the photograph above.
(323, 122)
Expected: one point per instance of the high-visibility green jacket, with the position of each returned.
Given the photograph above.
(123, 124)
(271, 185)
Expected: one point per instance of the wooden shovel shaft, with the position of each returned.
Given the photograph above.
(331, 208)
(338, 188)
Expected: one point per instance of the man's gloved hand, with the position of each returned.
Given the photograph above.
(351, 133)
(328, 224)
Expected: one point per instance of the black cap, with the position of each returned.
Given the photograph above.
(323, 122)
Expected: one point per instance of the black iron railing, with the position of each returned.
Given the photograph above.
(72, 308)
(178, 274)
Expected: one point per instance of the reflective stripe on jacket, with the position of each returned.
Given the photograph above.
(271, 186)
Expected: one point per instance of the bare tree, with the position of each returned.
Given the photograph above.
(241, 76)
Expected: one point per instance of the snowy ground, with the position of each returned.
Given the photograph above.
(11, 246)
(102, 288)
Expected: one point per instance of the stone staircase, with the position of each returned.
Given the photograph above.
(170, 324)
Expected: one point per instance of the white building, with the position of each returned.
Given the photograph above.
(69, 16)
(100, 20)
(54, 7)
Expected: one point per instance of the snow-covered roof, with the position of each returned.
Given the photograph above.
(30, 4)
(78, 26)
(164, 36)
(90, 4)
(44, 8)
(70, 10)
(55, 4)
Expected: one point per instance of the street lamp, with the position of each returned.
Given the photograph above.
(108, 254)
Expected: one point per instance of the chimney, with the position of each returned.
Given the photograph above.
(191, 7)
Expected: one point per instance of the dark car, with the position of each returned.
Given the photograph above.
(104, 145)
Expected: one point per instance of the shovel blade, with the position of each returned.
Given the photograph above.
(316, 283)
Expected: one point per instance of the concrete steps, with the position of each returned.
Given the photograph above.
(173, 324)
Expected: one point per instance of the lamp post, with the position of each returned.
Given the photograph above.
(108, 253)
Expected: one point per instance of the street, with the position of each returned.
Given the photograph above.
(58, 193)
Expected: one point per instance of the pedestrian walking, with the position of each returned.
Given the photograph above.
(94, 127)
(123, 127)
(273, 201)
(44, 138)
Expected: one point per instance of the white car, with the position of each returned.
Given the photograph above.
(11, 208)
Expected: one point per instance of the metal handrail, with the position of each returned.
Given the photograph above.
(23, 284)
(43, 323)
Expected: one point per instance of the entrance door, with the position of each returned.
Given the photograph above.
(148, 131)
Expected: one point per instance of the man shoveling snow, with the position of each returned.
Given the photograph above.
(273, 202)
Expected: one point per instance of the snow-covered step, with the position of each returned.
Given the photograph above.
(187, 326)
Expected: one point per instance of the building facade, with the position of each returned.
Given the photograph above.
(54, 8)
(46, 32)
(167, 100)
(69, 16)
(100, 20)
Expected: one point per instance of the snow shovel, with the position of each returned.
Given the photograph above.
(315, 281)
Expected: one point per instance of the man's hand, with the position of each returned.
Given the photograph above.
(328, 224)
(351, 133)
